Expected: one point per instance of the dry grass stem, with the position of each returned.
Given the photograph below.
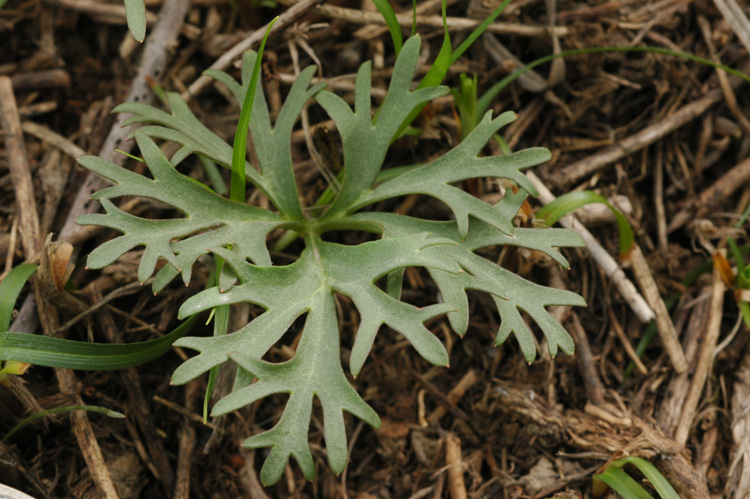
(666, 328)
(705, 357)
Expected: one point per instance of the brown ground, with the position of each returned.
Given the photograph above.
(655, 133)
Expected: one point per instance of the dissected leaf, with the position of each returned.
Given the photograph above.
(306, 289)
(209, 219)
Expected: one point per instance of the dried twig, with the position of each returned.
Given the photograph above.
(737, 19)
(457, 392)
(454, 23)
(705, 357)
(49, 78)
(187, 445)
(659, 212)
(456, 484)
(709, 199)
(729, 97)
(596, 162)
(617, 328)
(670, 407)
(53, 138)
(585, 361)
(138, 408)
(664, 324)
(738, 485)
(18, 161)
(99, 9)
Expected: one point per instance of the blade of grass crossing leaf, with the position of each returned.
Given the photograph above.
(477, 32)
(390, 20)
(131, 156)
(10, 288)
(221, 323)
(214, 176)
(623, 484)
(236, 193)
(571, 201)
(658, 482)
(439, 69)
(135, 12)
(486, 99)
(433, 78)
(237, 185)
(58, 410)
(58, 352)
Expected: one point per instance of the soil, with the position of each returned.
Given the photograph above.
(665, 139)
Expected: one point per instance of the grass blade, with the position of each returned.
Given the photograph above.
(390, 20)
(10, 288)
(238, 181)
(477, 32)
(660, 484)
(58, 410)
(58, 352)
(622, 483)
(571, 201)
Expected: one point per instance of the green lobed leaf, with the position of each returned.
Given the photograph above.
(510, 292)
(365, 144)
(276, 177)
(436, 178)
(209, 218)
(315, 372)
(135, 12)
(305, 289)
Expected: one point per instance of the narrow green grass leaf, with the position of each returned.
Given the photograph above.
(439, 68)
(623, 484)
(10, 288)
(58, 410)
(214, 176)
(58, 352)
(237, 185)
(390, 20)
(660, 484)
(433, 78)
(477, 32)
(221, 323)
(568, 203)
